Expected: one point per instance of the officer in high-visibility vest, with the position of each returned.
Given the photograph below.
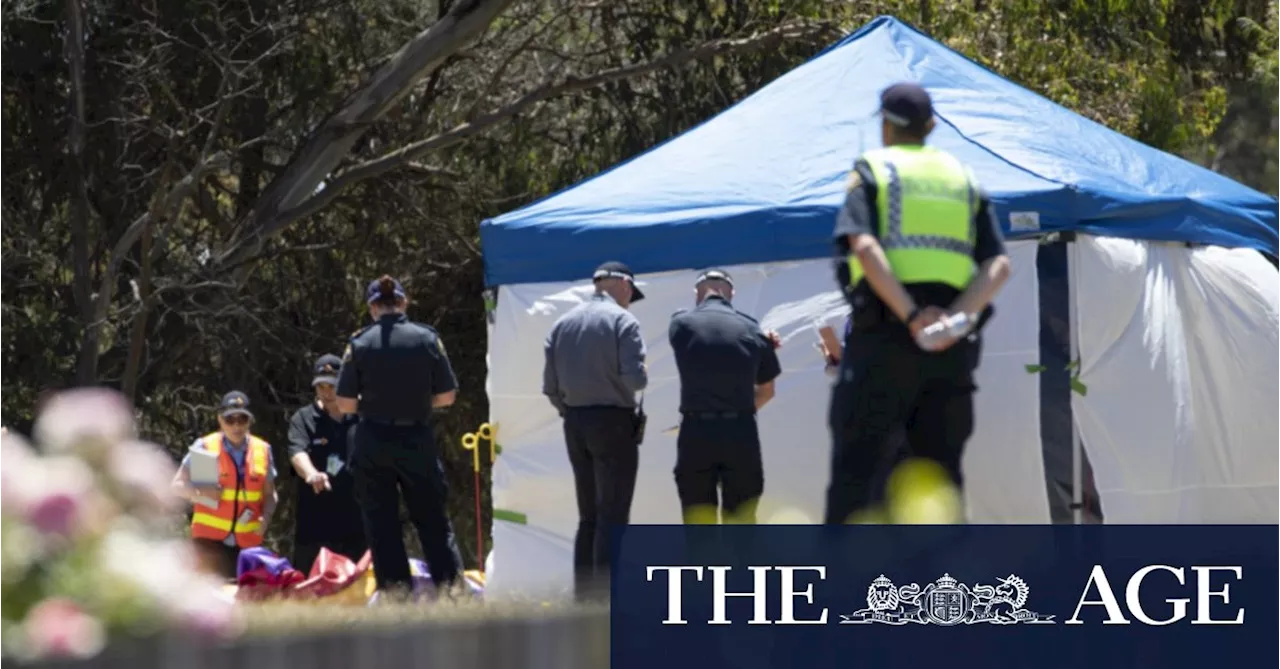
(232, 513)
(916, 241)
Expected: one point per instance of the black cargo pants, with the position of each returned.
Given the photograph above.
(886, 383)
(389, 457)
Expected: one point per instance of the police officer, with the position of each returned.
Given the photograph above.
(319, 441)
(917, 241)
(394, 374)
(727, 368)
(594, 366)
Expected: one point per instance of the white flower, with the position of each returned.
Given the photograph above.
(157, 568)
(87, 421)
(145, 473)
(16, 459)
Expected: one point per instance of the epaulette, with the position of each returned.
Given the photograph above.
(678, 312)
(747, 316)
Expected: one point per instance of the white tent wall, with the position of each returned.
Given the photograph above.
(1004, 465)
(1179, 357)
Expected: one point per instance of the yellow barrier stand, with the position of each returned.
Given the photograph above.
(471, 442)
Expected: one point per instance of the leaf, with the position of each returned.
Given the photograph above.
(1073, 365)
(1035, 369)
(1079, 387)
(510, 516)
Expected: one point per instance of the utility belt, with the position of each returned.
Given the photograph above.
(396, 422)
(717, 415)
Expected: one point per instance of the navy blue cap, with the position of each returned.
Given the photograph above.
(235, 403)
(375, 290)
(326, 370)
(906, 105)
(715, 275)
(617, 270)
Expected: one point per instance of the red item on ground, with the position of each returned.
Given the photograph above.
(261, 583)
(332, 573)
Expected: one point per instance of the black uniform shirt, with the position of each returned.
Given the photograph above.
(859, 216)
(721, 355)
(332, 515)
(394, 367)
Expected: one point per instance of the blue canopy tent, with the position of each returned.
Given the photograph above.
(762, 181)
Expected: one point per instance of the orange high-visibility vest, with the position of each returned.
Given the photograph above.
(238, 493)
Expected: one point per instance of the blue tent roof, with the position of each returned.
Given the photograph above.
(763, 180)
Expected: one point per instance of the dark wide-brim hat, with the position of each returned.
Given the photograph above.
(617, 270)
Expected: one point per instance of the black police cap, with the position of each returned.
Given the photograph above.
(906, 105)
(617, 270)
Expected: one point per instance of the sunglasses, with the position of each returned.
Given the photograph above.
(236, 419)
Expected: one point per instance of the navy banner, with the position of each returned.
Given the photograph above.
(1031, 597)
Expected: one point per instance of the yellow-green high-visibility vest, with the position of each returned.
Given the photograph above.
(925, 201)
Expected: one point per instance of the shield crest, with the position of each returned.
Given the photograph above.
(947, 606)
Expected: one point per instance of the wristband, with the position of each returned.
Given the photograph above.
(912, 316)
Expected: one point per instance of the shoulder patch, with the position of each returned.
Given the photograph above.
(440, 344)
(854, 180)
(346, 354)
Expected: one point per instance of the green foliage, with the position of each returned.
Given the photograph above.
(1195, 78)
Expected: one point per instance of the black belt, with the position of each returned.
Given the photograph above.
(717, 415)
(412, 422)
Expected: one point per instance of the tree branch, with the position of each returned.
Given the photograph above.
(411, 152)
(163, 206)
(330, 143)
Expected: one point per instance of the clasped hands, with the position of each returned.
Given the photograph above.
(928, 316)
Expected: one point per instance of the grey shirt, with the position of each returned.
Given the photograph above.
(594, 357)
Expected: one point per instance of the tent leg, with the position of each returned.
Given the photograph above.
(1077, 448)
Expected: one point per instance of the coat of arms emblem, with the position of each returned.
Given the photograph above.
(947, 602)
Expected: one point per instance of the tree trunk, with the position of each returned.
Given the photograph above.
(87, 363)
(138, 333)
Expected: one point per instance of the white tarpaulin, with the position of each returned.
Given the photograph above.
(532, 476)
(1178, 351)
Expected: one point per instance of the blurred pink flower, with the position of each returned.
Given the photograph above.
(58, 492)
(202, 610)
(87, 421)
(57, 627)
(145, 472)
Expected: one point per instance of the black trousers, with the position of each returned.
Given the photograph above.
(218, 557)
(389, 456)
(305, 552)
(604, 455)
(887, 384)
(718, 467)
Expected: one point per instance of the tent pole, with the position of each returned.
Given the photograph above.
(1077, 448)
